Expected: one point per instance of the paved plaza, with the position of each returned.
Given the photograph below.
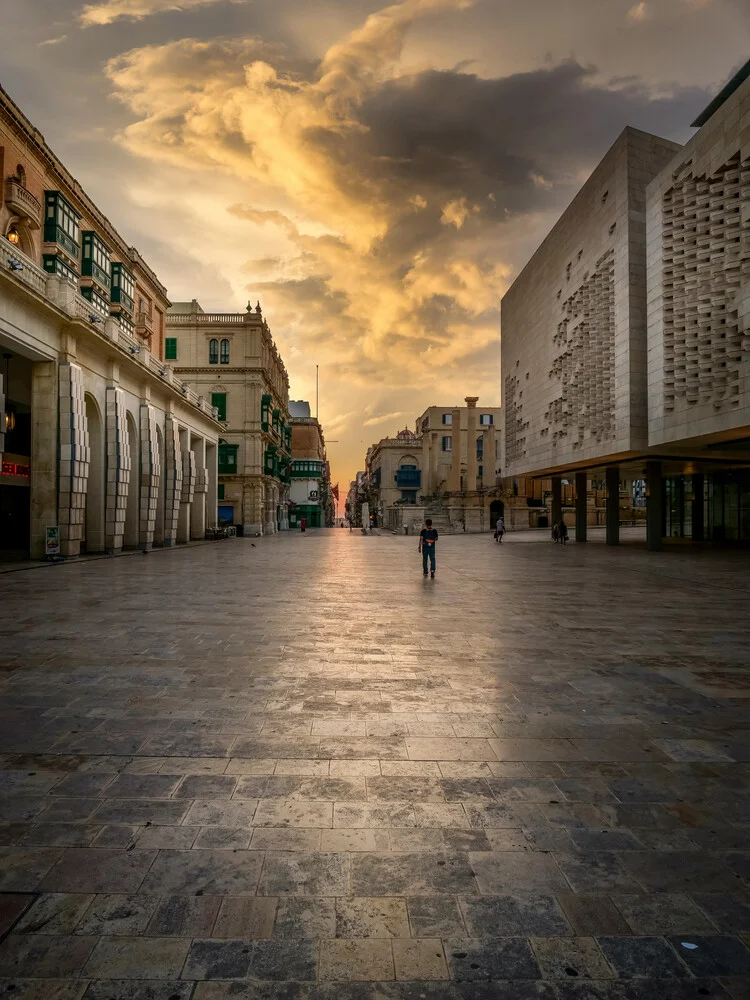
(293, 769)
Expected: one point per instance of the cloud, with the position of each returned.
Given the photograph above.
(53, 41)
(383, 418)
(108, 11)
(639, 12)
(386, 211)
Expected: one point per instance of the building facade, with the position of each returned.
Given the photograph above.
(310, 486)
(101, 443)
(626, 337)
(232, 360)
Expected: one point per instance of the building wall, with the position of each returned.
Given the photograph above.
(437, 462)
(22, 146)
(574, 322)
(698, 230)
(101, 422)
(254, 370)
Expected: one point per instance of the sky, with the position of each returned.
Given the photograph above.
(375, 174)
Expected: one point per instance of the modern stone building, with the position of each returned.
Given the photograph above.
(100, 442)
(310, 487)
(232, 360)
(625, 338)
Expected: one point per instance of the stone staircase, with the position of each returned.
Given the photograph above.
(440, 521)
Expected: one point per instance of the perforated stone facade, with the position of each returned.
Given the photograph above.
(118, 468)
(74, 459)
(699, 282)
(574, 322)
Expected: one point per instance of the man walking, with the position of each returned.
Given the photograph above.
(428, 536)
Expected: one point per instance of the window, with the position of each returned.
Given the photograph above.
(220, 491)
(170, 348)
(447, 443)
(95, 263)
(486, 419)
(225, 352)
(228, 459)
(219, 400)
(123, 286)
(480, 447)
(447, 419)
(213, 351)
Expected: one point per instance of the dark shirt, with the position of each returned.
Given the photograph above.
(428, 535)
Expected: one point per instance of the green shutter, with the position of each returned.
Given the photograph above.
(219, 400)
(170, 349)
(220, 488)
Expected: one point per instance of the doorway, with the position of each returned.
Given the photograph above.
(497, 510)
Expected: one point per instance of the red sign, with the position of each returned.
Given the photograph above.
(12, 469)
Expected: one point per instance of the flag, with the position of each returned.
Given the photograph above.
(335, 491)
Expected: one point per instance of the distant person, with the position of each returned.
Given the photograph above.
(555, 533)
(499, 530)
(428, 537)
(372, 522)
(562, 529)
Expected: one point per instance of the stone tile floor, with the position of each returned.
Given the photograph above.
(296, 770)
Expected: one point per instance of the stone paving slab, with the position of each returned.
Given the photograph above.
(519, 780)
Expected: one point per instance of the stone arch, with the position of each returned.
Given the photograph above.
(130, 539)
(23, 240)
(408, 460)
(95, 488)
(161, 494)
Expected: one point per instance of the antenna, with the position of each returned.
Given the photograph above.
(317, 394)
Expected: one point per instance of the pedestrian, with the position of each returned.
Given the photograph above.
(372, 522)
(499, 530)
(428, 536)
(563, 531)
(555, 533)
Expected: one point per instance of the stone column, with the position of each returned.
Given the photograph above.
(173, 480)
(434, 478)
(556, 500)
(489, 460)
(612, 479)
(472, 464)
(150, 476)
(43, 482)
(581, 506)
(269, 509)
(454, 477)
(118, 484)
(74, 459)
(212, 481)
(198, 506)
(699, 508)
(654, 506)
(252, 499)
(188, 488)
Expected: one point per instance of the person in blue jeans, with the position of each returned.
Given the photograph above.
(428, 537)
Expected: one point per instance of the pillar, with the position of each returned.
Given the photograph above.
(556, 499)
(43, 482)
(150, 476)
(612, 479)
(173, 480)
(252, 501)
(269, 509)
(654, 506)
(188, 487)
(699, 509)
(581, 506)
(212, 481)
(454, 478)
(472, 465)
(198, 506)
(431, 486)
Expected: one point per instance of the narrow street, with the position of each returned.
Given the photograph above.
(294, 769)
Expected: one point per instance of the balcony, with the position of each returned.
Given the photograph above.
(23, 203)
(304, 468)
(144, 324)
(409, 479)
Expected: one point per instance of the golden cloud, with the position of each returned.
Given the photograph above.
(108, 11)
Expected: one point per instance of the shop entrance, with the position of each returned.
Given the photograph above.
(15, 473)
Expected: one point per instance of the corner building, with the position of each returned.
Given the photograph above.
(98, 438)
(310, 487)
(625, 337)
(232, 360)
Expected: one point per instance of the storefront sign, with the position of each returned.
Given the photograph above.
(52, 540)
(14, 469)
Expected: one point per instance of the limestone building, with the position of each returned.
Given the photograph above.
(232, 360)
(310, 486)
(100, 442)
(626, 337)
